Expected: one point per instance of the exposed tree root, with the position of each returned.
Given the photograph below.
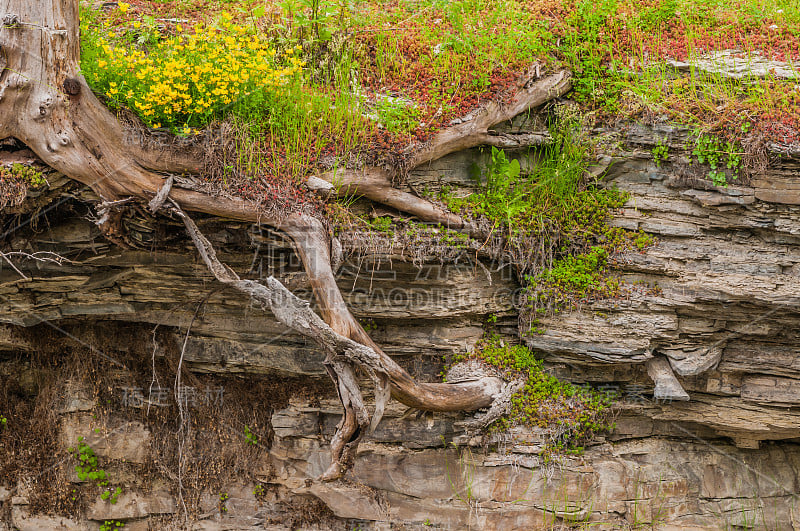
(474, 130)
(342, 355)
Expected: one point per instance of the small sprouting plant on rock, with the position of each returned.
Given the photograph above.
(660, 153)
(15, 181)
(111, 525)
(87, 470)
(382, 224)
(223, 498)
(251, 437)
(719, 155)
(643, 241)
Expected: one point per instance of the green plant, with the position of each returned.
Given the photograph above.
(87, 470)
(250, 437)
(223, 498)
(556, 209)
(307, 20)
(29, 174)
(467, 468)
(718, 155)
(660, 153)
(3, 422)
(382, 224)
(16, 180)
(397, 116)
(643, 240)
(503, 197)
(111, 525)
(369, 325)
(562, 505)
(571, 279)
(571, 414)
(259, 491)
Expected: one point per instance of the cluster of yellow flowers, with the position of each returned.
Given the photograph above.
(184, 80)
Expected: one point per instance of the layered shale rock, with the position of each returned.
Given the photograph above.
(702, 350)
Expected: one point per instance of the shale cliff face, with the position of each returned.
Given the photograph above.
(710, 313)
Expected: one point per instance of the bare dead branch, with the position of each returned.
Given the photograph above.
(158, 201)
(39, 256)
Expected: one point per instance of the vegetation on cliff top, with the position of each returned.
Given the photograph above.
(434, 61)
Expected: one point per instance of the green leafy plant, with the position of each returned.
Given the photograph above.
(719, 155)
(643, 240)
(87, 470)
(556, 208)
(307, 20)
(660, 153)
(250, 437)
(369, 324)
(223, 499)
(571, 279)
(396, 115)
(503, 198)
(111, 525)
(382, 224)
(3, 422)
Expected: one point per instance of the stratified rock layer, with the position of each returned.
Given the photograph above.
(711, 308)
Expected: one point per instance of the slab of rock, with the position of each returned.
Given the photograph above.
(132, 505)
(738, 64)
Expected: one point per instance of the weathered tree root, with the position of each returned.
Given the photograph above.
(501, 405)
(474, 130)
(342, 353)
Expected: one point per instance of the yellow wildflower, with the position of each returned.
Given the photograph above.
(123, 7)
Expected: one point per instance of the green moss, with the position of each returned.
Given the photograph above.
(577, 275)
(21, 172)
(572, 415)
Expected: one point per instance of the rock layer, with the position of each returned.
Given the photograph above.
(710, 309)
